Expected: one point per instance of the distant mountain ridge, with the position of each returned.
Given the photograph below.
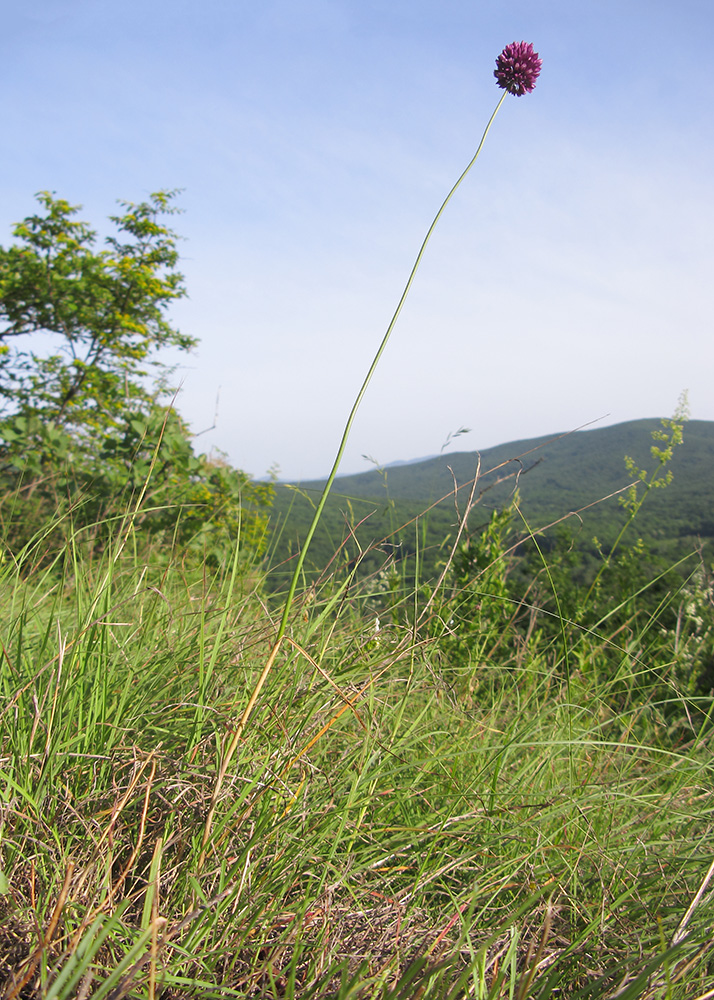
(555, 474)
(589, 454)
(409, 461)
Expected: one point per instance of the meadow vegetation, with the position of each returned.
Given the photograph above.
(478, 786)
(488, 776)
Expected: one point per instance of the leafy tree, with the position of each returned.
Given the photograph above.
(105, 308)
(82, 380)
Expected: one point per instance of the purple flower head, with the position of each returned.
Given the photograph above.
(518, 68)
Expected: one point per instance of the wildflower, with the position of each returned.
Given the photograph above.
(518, 68)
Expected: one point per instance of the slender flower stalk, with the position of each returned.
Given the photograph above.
(517, 69)
(367, 380)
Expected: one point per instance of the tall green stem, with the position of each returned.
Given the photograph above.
(368, 378)
(238, 732)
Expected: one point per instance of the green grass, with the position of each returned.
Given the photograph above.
(410, 813)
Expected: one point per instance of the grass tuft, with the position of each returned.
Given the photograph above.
(415, 810)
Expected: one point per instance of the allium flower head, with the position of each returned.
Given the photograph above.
(518, 68)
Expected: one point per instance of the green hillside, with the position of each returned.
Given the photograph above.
(412, 505)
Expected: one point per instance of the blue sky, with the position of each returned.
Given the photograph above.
(570, 280)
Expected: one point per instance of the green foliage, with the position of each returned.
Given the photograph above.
(669, 435)
(106, 309)
(647, 625)
(86, 430)
(691, 635)
(388, 829)
(481, 603)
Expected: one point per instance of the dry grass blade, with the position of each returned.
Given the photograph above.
(14, 989)
(532, 962)
(349, 702)
(680, 932)
(227, 755)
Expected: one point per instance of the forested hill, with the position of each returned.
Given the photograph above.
(554, 475)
